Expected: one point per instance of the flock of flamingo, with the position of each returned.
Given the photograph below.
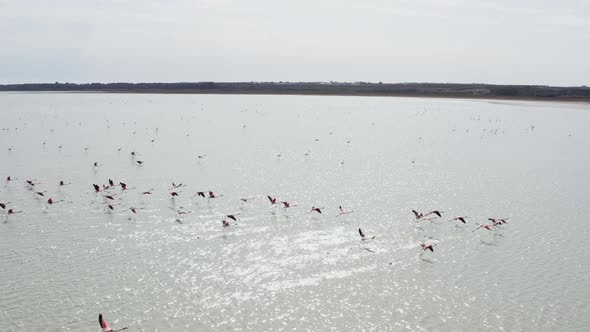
(108, 193)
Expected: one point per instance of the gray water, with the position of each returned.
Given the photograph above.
(281, 269)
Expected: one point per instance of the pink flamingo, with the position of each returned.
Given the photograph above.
(343, 211)
(272, 200)
(316, 209)
(363, 236)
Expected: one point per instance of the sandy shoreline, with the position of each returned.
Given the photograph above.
(318, 94)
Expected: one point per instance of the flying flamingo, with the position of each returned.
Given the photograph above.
(62, 183)
(111, 197)
(316, 209)
(247, 199)
(11, 211)
(175, 186)
(139, 162)
(96, 188)
(488, 227)
(200, 193)
(427, 246)
(233, 216)
(112, 206)
(31, 183)
(498, 221)
(111, 183)
(3, 205)
(123, 185)
(461, 219)
(50, 201)
(420, 216)
(363, 236)
(149, 192)
(104, 326)
(225, 223)
(40, 193)
(343, 211)
(287, 205)
(174, 193)
(212, 195)
(272, 200)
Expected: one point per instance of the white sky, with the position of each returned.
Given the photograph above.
(503, 41)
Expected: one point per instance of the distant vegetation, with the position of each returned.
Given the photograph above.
(329, 88)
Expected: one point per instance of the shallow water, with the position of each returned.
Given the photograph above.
(281, 269)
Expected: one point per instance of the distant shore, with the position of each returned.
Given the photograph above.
(428, 90)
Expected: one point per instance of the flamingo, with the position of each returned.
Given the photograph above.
(50, 201)
(233, 216)
(363, 236)
(11, 211)
(104, 326)
(461, 219)
(96, 187)
(420, 216)
(3, 205)
(8, 179)
(272, 200)
(111, 183)
(225, 223)
(40, 193)
(175, 186)
(174, 193)
(343, 211)
(123, 185)
(139, 162)
(200, 193)
(112, 206)
(427, 246)
(498, 221)
(316, 209)
(149, 192)
(134, 210)
(488, 227)
(110, 197)
(31, 183)
(212, 195)
(62, 183)
(201, 156)
(437, 212)
(287, 205)
(247, 199)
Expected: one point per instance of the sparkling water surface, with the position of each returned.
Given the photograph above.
(277, 269)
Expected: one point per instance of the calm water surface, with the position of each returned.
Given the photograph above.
(281, 269)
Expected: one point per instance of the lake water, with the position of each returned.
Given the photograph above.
(278, 269)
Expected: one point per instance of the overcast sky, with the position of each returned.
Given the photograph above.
(503, 41)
